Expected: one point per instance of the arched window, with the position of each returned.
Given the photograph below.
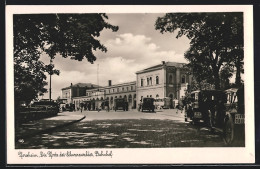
(157, 95)
(157, 79)
(183, 79)
(151, 96)
(170, 79)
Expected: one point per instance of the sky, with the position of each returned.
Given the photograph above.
(135, 46)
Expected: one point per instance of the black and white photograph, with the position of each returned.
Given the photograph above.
(123, 84)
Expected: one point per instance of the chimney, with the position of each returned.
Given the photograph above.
(109, 82)
(163, 62)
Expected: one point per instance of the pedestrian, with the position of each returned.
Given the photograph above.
(81, 107)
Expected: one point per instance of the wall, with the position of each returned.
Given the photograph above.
(151, 89)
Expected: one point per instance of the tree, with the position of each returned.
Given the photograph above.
(70, 35)
(216, 40)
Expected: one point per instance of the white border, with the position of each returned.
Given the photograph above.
(139, 155)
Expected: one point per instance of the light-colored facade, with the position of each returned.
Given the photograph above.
(168, 79)
(96, 96)
(93, 97)
(123, 90)
(78, 90)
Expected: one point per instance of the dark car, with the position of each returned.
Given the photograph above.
(234, 120)
(45, 107)
(223, 110)
(203, 102)
(148, 104)
(121, 104)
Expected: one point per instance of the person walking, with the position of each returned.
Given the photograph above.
(81, 107)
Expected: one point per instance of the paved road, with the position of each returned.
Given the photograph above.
(131, 129)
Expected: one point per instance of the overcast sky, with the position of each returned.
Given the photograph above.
(135, 46)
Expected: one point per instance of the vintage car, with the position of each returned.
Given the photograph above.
(148, 104)
(162, 103)
(234, 121)
(121, 104)
(203, 102)
(220, 110)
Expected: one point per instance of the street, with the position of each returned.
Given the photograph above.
(130, 129)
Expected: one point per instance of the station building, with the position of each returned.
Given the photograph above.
(168, 79)
(76, 90)
(122, 90)
(97, 95)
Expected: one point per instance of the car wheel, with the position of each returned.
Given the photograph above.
(228, 131)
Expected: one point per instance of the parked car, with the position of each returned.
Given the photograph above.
(234, 121)
(162, 103)
(203, 102)
(148, 104)
(121, 104)
(223, 110)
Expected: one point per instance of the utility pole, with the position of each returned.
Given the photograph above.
(98, 76)
(50, 82)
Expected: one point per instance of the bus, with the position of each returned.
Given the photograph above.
(162, 103)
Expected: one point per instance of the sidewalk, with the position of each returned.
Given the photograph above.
(46, 125)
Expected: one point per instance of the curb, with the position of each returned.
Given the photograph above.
(49, 130)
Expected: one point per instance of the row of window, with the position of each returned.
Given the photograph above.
(149, 81)
(115, 90)
(121, 89)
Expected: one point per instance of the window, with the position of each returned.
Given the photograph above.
(157, 79)
(157, 95)
(170, 79)
(113, 90)
(151, 81)
(142, 82)
(131, 87)
(147, 81)
(183, 79)
(151, 96)
(123, 89)
(126, 88)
